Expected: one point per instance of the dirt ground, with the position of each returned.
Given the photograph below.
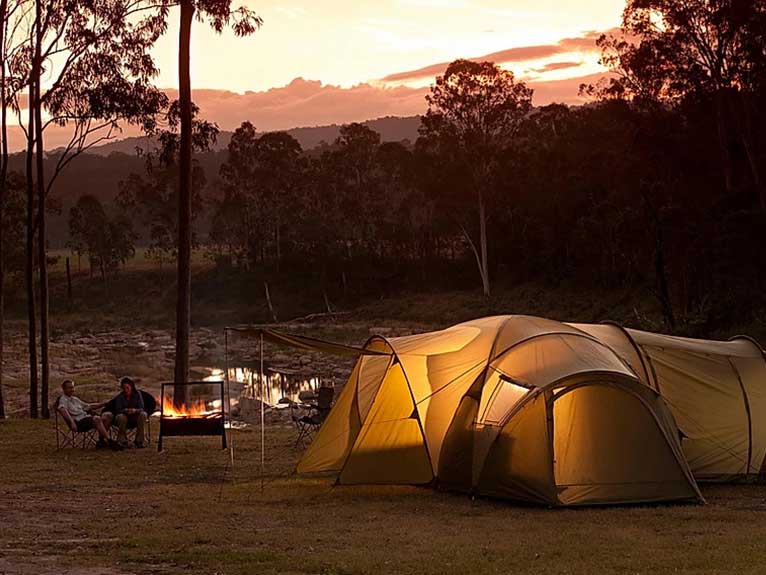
(88, 512)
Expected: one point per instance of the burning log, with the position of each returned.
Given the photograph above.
(192, 419)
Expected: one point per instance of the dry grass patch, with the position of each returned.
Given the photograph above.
(188, 510)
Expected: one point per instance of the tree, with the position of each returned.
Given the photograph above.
(474, 110)
(8, 91)
(154, 194)
(674, 50)
(260, 176)
(243, 22)
(108, 242)
(93, 58)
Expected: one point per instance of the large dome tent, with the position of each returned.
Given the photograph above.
(512, 406)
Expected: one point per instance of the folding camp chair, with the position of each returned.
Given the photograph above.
(311, 421)
(67, 434)
(150, 406)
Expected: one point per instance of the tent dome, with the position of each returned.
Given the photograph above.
(513, 406)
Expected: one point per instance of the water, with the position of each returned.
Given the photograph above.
(245, 382)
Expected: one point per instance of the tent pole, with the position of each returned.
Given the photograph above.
(228, 393)
(263, 436)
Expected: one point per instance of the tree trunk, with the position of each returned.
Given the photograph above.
(745, 136)
(3, 175)
(278, 240)
(29, 271)
(723, 140)
(663, 291)
(41, 226)
(183, 304)
(68, 281)
(484, 264)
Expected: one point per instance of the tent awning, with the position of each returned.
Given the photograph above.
(302, 341)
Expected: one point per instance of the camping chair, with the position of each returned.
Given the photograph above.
(150, 406)
(67, 434)
(308, 424)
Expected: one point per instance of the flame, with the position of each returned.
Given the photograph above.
(193, 409)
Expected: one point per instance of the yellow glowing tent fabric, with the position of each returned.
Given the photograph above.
(511, 406)
(716, 390)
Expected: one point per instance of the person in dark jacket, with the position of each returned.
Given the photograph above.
(129, 412)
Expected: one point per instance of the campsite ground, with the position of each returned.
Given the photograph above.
(187, 510)
(89, 512)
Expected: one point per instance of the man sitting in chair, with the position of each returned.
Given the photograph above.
(79, 415)
(129, 413)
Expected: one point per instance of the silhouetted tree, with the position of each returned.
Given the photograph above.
(243, 22)
(260, 178)
(108, 242)
(474, 110)
(97, 73)
(672, 50)
(154, 194)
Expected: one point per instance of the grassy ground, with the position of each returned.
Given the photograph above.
(186, 510)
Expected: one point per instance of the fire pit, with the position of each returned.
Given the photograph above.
(193, 418)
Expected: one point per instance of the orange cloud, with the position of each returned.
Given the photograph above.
(556, 66)
(585, 43)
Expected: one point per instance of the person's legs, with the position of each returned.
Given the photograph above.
(107, 418)
(100, 425)
(140, 426)
(122, 426)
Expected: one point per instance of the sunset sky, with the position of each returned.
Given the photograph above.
(347, 42)
(338, 61)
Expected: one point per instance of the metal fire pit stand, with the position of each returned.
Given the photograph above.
(213, 424)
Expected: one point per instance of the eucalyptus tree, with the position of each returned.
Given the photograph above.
(474, 111)
(12, 14)
(93, 58)
(219, 14)
(153, 195)
(671, 51)
(108, 241)
(261, 176)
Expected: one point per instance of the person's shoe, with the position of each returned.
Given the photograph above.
(115, 446)
(139, 444)
(102, 443)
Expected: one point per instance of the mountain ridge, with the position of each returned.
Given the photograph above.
(390, 128)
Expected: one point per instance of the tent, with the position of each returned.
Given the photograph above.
(716, 391)
(511, 406)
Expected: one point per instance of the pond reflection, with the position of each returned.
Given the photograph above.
(245, 382)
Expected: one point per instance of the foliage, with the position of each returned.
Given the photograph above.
(107, 241)
(13, 223)
(153, 196)
(474, 111)
(260, 179)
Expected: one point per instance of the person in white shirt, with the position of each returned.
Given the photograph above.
(79, 416)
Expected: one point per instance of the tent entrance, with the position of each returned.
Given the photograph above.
(608, 448)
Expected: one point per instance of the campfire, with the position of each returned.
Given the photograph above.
(197, 408)
(192, 418)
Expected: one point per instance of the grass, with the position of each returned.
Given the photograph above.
(186, 510)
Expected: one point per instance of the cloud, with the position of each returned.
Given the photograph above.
(550, 67)
(584, 43)
(304, 103)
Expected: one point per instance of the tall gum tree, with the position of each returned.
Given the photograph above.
(92, 57)
(219, 14)
(474, 111)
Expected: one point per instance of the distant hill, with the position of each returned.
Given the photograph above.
(390, 128)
